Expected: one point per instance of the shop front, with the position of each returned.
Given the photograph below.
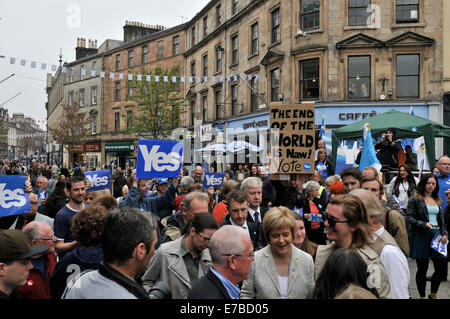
(337, 115)
(75, 154)
(93, 155)
(120, 154)
(247, 139)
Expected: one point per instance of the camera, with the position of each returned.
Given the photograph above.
(160, 290)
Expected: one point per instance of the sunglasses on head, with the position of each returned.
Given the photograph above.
(331, 221)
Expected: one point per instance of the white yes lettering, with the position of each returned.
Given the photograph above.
(159, 161)
(9, 198)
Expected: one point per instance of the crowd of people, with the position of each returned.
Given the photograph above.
(321, 236)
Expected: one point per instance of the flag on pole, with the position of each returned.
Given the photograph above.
(322, 128)
(411, 111)
(368, 156)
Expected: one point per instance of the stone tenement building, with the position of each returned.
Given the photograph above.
(352, 58)
(159, 47)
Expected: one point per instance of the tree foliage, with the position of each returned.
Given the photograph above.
(156, 104)
(74, 127)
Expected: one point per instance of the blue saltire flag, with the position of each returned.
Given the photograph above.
(13, 198)
(99, 180)
(213, 180)
(322, 128)
(368, 156)
(159, 159)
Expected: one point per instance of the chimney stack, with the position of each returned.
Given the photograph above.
(135, 30)
(81, 51)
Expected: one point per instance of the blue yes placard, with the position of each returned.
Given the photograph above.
(159, 159)
(213, 180)
(99, 180)
(13, 198)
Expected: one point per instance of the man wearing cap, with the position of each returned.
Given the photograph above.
(162, 184)
(161, 206)
(15, 265)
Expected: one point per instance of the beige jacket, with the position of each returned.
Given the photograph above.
(262, 281)
(378, 276)
(168, 265)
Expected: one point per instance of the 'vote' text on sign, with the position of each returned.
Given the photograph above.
(159, 159)
(13, 199)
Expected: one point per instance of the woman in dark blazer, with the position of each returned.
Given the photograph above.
(313, 205)
(427, 220)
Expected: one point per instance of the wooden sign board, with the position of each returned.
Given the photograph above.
(292, 139)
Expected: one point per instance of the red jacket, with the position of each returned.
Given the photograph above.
(38, 287)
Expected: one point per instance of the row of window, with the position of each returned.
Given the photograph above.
(359, 12)
(221, 107)
(117, 116)
(82, 96)
(359, 78)
(359, 81)
(117, 120)
(144, 53)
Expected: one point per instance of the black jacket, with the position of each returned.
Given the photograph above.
(263, 211)
(208, 287)
(255, 230)
(269, 194)
(387, 152)
(417, 215)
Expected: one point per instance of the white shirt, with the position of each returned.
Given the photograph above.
(402, 191)
(244, 225)
(252, 213)
(396, 265)
(283, 281)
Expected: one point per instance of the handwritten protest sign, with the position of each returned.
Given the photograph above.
(292, 134)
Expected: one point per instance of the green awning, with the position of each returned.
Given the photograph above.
(119, 147)
(406, 125)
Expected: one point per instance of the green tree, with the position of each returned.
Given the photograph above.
(73, 128)
(156, 104)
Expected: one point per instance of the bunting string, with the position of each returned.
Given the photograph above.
(129, 76)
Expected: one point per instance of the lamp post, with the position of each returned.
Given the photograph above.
(8, 77)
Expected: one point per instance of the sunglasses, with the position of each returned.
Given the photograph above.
(331, 221)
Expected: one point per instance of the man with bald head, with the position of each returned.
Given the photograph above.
(231, 253)
(38, 282)
(197, 174)
(193, 203)
(20, 221)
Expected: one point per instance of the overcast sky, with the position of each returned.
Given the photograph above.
(36, 30)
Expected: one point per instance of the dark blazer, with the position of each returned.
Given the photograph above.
(417, 214)
(208, 287)
(269, 194)
(255, 230)
(262, 210)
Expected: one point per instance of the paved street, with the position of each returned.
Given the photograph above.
(444, 288)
